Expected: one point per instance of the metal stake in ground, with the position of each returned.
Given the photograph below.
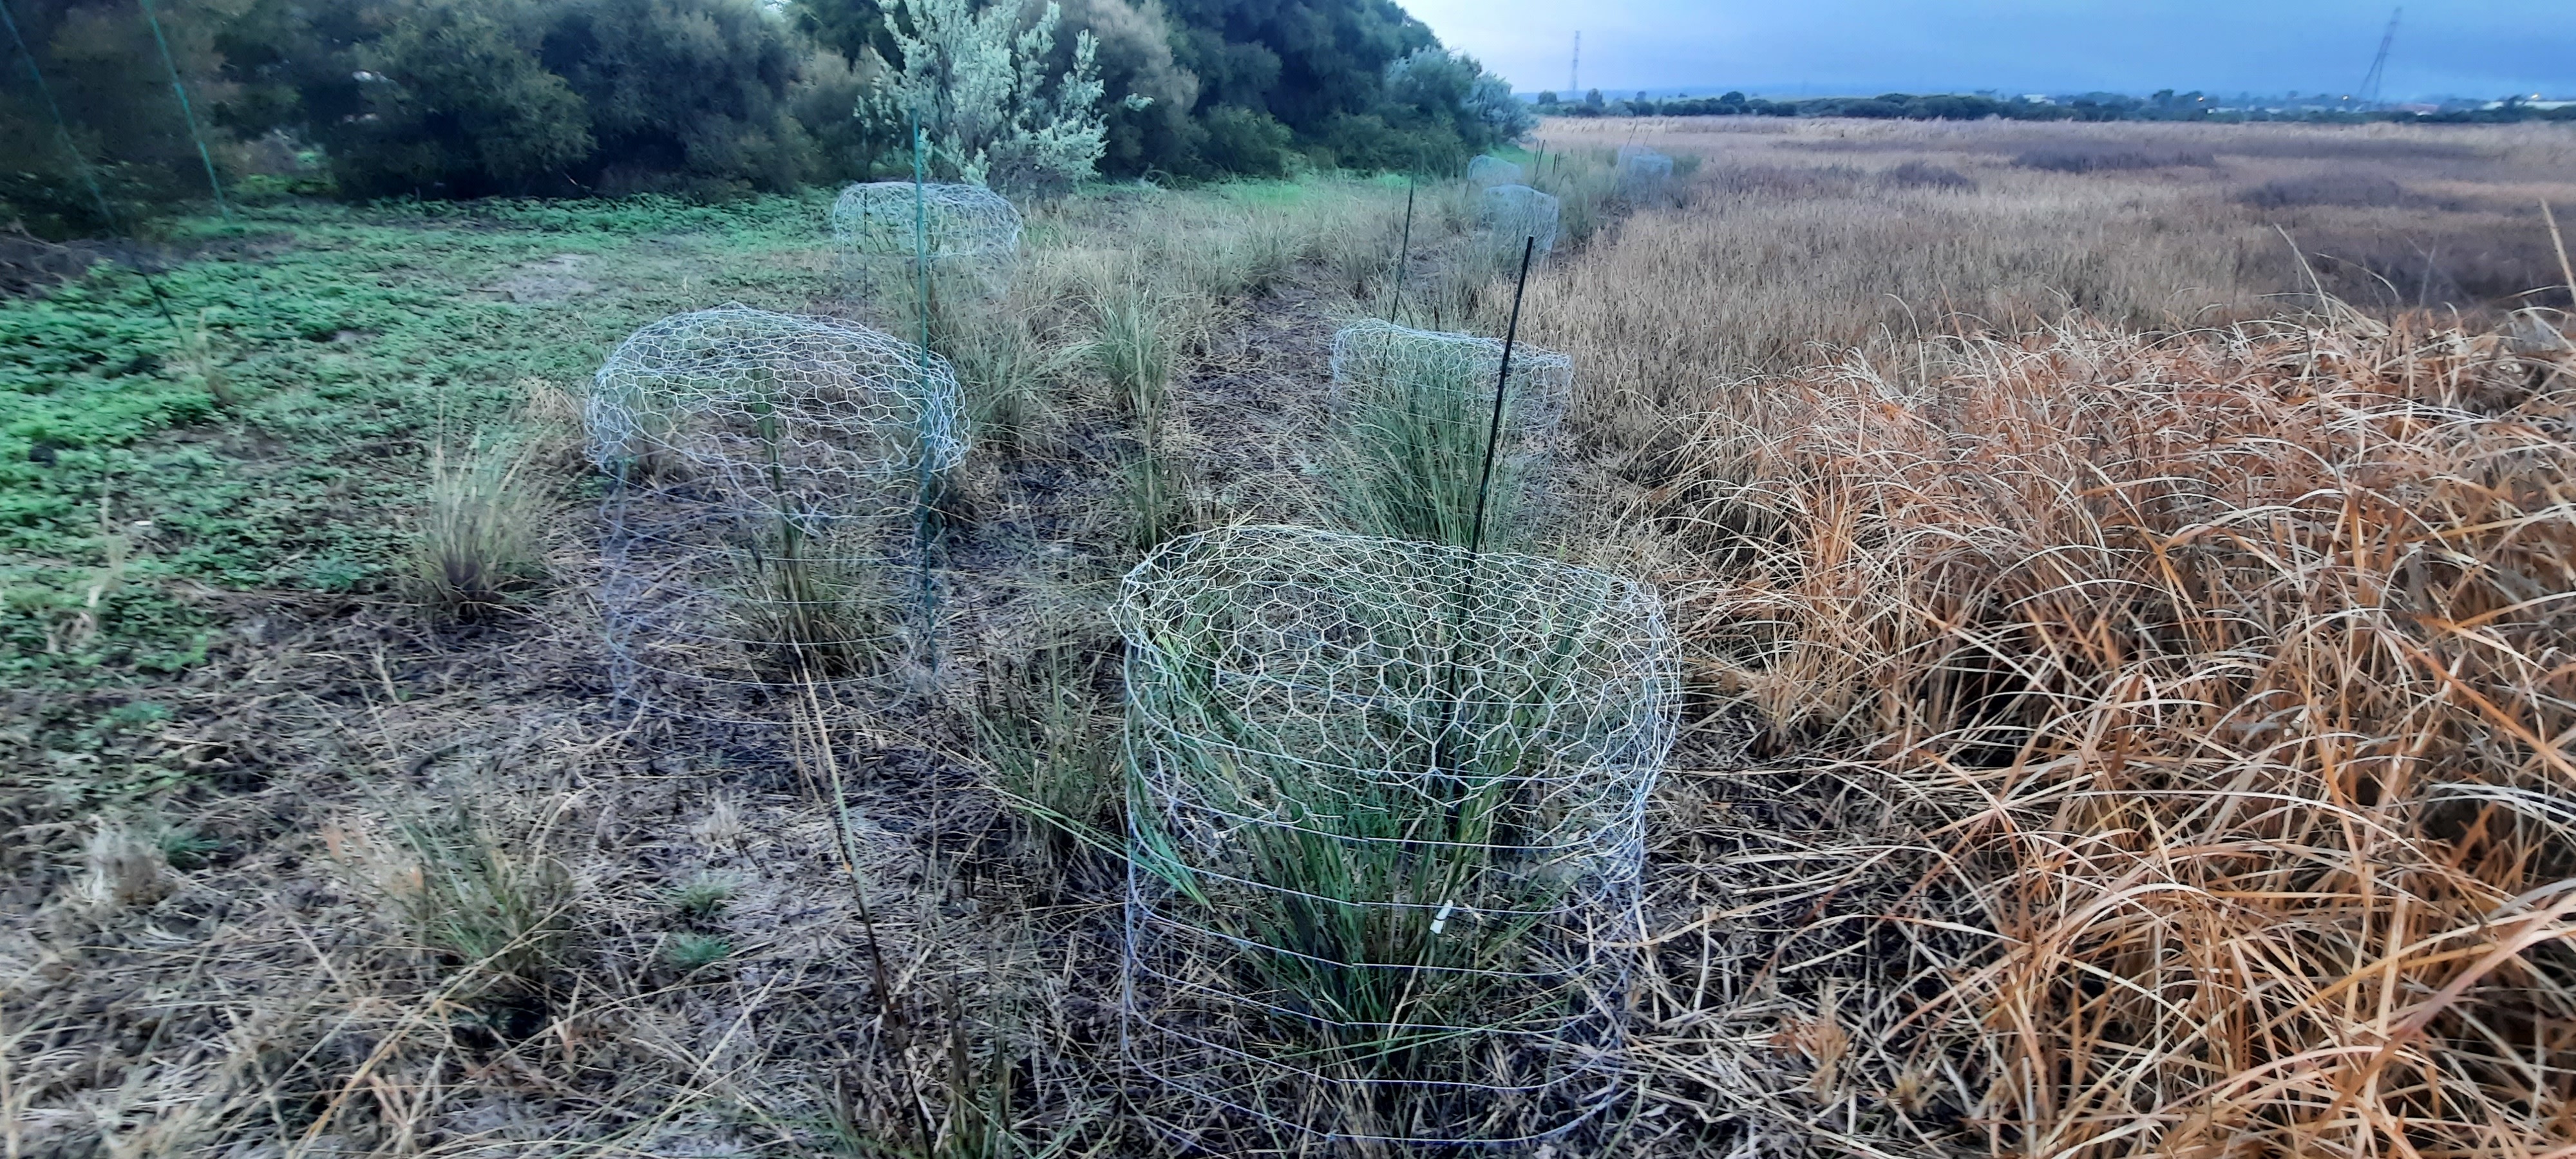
(1502, 380)
(187, 112)
(1403, 252)
(1476, 535)
(921, 523)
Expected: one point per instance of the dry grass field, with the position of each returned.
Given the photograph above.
(2122, 570)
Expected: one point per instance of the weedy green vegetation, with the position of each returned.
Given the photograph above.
(265, 440)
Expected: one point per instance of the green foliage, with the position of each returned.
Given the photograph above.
(124, 485)
(702, 898)
(690, 953)
(683, 95)
(106, 75)
(463, 108)
(977, 84)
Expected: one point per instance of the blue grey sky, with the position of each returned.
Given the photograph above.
(1832, 47)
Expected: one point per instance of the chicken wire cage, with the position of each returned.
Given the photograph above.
(761, 530)
(1507, 214)
(1385, 824)
(1413, 411)
(1380, 363)
(1642, 169)
(1488, 169)
(968, 235)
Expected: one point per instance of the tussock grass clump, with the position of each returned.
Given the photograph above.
(2221, 683)
(1045, 741)
(480, 538)
(1414, 411)
(1383, 818)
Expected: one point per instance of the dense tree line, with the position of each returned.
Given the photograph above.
(465, 98)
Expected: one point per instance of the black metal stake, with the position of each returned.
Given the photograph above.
(1403, 253)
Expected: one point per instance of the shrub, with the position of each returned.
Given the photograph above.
(457, 105)
(1247, 141)
(687, 95)
(979, 86)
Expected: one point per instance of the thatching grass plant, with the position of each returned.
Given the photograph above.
(809, 597)
(2227, 680)
(1410, 443)
(1392, 832)
(480, 536)
(1050, 753)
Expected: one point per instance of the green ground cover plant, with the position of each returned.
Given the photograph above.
(272, 438)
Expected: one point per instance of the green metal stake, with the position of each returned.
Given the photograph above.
(89, 176)
(921, 524)
(186, 111)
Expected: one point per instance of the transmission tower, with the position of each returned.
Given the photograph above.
(1574, 71)
(2370, 81)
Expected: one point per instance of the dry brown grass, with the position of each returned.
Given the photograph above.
(2218, 688)
(2122, 735)
(1809, 237)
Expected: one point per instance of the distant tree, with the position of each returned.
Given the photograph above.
(458, 105)
(979, 84)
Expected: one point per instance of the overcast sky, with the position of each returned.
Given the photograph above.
(1834, 47)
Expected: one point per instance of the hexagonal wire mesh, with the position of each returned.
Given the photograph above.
(1505, 214)
(1412, 410)
(1385, 819)
(766, 472)
(1488, 169)
(1642, 169)
(970, 234)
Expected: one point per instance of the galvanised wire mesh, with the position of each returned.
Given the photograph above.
(969, 235)
(1373, 358)
(766, 473)
(1385, 830)
(1505, 214)
(1412, 412)
(1488, 169)
(1642, 169)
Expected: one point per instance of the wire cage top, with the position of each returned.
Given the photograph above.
(887, 218)
(1640, 166)
(775, 408)
(1385, 819)
(1505, 214)
(1488, 169)
(1381, 363)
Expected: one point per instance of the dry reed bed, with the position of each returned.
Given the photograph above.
(2194, 717)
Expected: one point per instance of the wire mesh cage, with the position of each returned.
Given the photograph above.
(1506, 214)
(1642, 169)
(969, 235)
(1488, 169)
(1385, 830)
(1412, 412)
(767, 474)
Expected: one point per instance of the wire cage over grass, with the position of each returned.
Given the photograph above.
(1412, 411)
(1488, 169)
(1642, 169)
(1506, 214)
(969, 235)
(1384, 820)
(766, 471)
